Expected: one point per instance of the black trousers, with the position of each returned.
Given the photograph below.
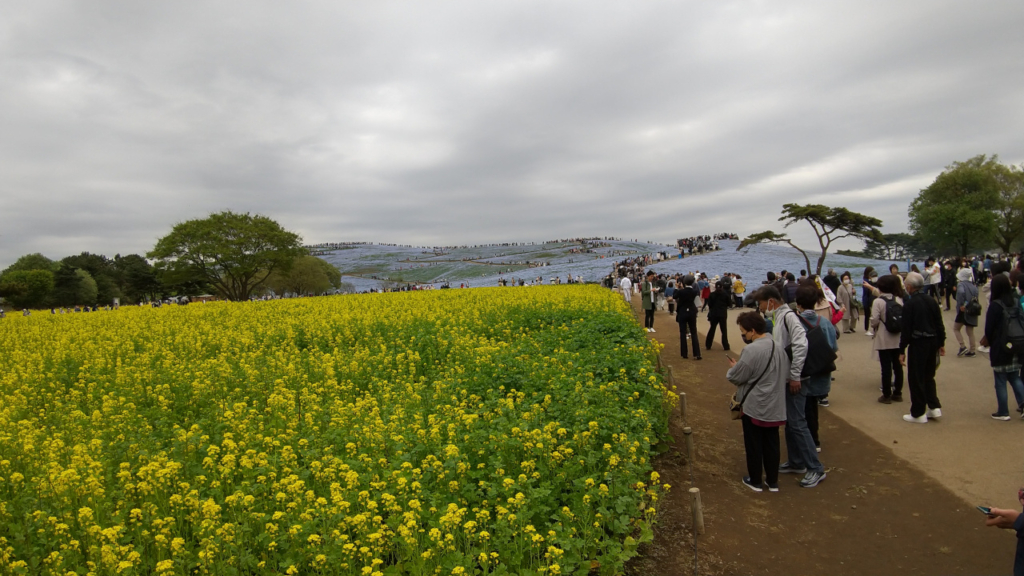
(688, 323)
(890, 360)
(921, 359)
(649, 317)
(868, 300)
(715, 324)
(811, 412)
(763, 452)
(949, 293)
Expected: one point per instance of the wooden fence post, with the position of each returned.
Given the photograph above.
(698, 510)
(688, 432)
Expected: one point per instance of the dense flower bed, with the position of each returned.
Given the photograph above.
(484, 431)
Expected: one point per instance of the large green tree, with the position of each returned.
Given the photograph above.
(898, 246)
(102, 271)
(27, 288)
(135, 277)
(829, 224)
(1009, 211)
(307, 275)
(232, 252)
(957, 210)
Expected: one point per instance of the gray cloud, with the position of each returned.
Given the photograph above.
(453, 122)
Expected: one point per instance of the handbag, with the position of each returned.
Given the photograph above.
(973, 307)
(736, 408)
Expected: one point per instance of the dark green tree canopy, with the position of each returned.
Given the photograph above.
(829, 224)
(956, 211)
(307, 275)
(232, 252)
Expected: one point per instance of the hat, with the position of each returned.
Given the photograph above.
(964, 274)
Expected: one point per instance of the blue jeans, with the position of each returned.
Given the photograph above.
(799, 443)
(1013, 378)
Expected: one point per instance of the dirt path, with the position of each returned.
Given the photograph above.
(885, 508)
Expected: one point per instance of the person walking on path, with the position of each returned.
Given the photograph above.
(718, 315)
(647, 301)
(867, 296)
(686, 316)
(739, 289)
(788, 331)
(966, 291)
(816, 386)
(760, 378)
(922, 341)
(885, 343)
(1005, 365)
(846, 296)
(627, 289)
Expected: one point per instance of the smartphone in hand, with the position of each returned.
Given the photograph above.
(985, 510)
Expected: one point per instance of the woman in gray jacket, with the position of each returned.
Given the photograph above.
(965, 292)
(760, 376)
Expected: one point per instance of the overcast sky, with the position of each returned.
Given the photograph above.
(467, 121)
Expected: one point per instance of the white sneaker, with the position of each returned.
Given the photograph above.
(923, 419)
(653, 330)
(648, 329)
(869, 334)
(984, 349)
(937, 413)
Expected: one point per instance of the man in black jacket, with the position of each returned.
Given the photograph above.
(686, 315)
(922, 341)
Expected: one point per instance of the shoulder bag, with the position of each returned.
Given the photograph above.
(736, 408)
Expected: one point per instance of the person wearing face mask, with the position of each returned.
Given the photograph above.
(846, 295)
(788, 332)
(868, 292)
(760, 377)
(965, 292)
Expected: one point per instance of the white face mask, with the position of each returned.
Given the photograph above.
(846, 281)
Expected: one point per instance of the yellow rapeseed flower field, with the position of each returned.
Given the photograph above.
(485, 431)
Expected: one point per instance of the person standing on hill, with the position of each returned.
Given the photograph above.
(886, 343)
(686, 316)
(739, 289)
(922, 341)
(718, 314)
(760, 378)
(627, 289)
(846, 296)
(647, 301)
(965, 292)
(788, 331)
(1005, 365)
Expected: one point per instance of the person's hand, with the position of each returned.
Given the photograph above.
(794, 386)
(903, 359)
(984, 341)
(1002, 518)
(732, 361)
(942, 351)
(963, 308)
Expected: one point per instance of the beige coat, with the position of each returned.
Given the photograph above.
(883, 339)
(845, 297)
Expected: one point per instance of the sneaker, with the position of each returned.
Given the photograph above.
(1003, 417)
(970, 355)
(817, 448)
(653, 330)
(823, 402)
(922, 419)
(869, 333)
(772, 487)
(698, 357)
(983, 349)
(897, 397)
(937, 413)
(812, 479)
(963, 350)
(750, 484)
(1020, 409)
(885, 399)
(787, 468)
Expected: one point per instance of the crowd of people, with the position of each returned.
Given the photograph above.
(792, 325)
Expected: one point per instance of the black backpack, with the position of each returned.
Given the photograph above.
(893, 316)
(821, 358)
(1013, 328)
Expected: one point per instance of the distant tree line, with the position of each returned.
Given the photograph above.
(233, 256)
